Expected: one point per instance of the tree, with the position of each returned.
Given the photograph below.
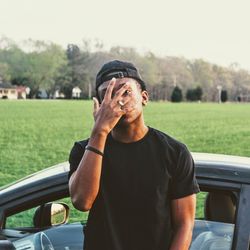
(79, 64)
(176, 95)
(194, 94)
(241, 84)
(199, 93)
(191, 95)
(223, 95)
(4, 72)
(39, 64)
(203, 76)
(44, 66)
(37, 68)
(13, 61)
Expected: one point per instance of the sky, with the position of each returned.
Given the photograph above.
(214, 30)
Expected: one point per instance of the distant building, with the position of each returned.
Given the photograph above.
(58, 95)
(42, 94)
(76, 93)
(8, 91)
(21, 92)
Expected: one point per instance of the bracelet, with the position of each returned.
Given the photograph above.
(95, 150)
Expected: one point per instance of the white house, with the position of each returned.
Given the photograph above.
(11, 92)
(7, 91)
(76, 92)
(58, 94)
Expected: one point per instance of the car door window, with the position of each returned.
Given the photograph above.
(24, 219)
(20, 220)
(215, 218)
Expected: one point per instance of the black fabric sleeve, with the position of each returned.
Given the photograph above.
(184, 182)
(76, 155)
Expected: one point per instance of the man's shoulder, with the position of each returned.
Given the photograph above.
(81, 143)
(168, 140)
(76, 154)
(78, 147)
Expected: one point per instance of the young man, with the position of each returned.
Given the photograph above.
(137, 182)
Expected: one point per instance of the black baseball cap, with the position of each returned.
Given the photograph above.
(118, 69)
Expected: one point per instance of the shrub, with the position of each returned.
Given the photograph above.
(194, 94)
(223, 95)
(176, 95)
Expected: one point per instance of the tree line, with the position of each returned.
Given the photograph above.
(46, 65)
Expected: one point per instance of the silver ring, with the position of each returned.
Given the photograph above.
(121, 103)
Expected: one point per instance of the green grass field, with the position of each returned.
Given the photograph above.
(38, 134)
(35, 134)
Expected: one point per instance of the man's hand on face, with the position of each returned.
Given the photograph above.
(112, 107)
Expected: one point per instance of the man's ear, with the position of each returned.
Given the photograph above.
(145, 97)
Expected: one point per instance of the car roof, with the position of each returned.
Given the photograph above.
(47, 178)
(222, 167)
(45, 173)
(234, 160)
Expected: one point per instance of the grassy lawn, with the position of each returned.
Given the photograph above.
(37, 134)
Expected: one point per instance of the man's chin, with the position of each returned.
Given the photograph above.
(123, 122)
(128, 119)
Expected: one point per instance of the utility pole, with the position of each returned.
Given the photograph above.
(219, 87)
(90, 90)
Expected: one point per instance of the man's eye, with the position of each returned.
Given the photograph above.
(127, 92)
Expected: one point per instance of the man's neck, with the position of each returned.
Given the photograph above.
(130, 133)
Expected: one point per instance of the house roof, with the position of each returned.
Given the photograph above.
(6, 86)
(76, 89)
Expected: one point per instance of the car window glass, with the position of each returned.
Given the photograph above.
(22, 219)
(25, 218)
(200, 201)
(214, 224)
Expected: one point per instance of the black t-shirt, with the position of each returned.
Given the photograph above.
(138, 182)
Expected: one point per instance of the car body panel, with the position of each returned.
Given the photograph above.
(212, 170)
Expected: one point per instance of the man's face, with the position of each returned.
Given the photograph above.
(134, 97)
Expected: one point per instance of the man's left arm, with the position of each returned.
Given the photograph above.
(183, 215)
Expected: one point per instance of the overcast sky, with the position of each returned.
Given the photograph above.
(215, 30)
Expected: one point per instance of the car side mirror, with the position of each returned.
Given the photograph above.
(51, 214)
(6, 245)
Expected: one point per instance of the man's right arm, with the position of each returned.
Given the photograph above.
(84, 182)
